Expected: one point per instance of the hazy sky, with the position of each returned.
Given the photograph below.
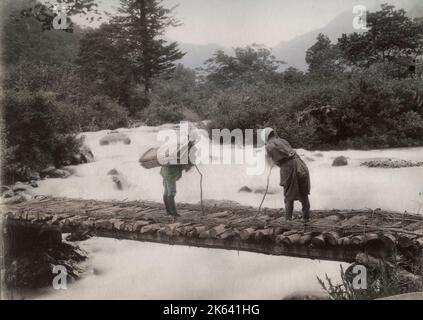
(240, 22)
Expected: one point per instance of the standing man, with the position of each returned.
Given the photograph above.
(171, 174)
(294, 174)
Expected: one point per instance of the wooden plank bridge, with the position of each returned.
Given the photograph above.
(337, 235)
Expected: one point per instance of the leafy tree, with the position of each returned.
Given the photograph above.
(101, 112)
(23, 40)
(249, 65)
(47, 11)
(38, 132)
(293, 76)
(175, 98)
(392, 36)
(323, 58)
(103, 60)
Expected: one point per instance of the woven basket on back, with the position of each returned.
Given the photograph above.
(149, 159)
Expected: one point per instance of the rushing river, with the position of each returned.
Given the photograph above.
(135, 270)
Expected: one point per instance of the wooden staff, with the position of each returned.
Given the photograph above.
(201, 188)
(265, 192)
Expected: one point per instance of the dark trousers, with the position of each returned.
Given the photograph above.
(169, 184)
(289, 207)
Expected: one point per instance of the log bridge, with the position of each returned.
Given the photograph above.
(336, 235)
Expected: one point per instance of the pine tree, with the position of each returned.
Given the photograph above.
(142, 24)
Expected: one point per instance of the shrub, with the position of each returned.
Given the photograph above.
(384, 282)
(37, 132)
(157, 114)
(245, 107)
(101, 112)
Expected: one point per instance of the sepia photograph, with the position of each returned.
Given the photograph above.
(225, 151)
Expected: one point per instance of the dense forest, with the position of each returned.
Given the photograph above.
(364, 91)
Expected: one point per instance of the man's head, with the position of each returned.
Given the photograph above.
(267, 134)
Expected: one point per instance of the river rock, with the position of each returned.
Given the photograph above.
(33, 184)
(14, 199)
(115, 137)
(262, 190)
(19, 186)
(4, 189)
(52, 172)
(34, 175)
(245, 189)
(25, 194)
(27, 174)
(389, 163)
(340, 161)
(118, 182)
(8, 194)
(79, 235)
(85, 155)
(112, 172)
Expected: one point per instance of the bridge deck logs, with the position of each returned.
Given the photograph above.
(337, 235)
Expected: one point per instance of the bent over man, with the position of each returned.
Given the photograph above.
(294, 174)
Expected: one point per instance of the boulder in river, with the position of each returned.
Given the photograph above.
(79, 235)
(389, 163)
(262, 190)
(26, 173)
(7, 194)
(119, 180)
(112, 172)
(52, 172)
(115, 137)
(34, 176)
(245, 189)
(33, 184)
(14, 199)
(85, 155)
(19, 186)
(340, 161)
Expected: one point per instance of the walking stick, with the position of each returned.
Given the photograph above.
(201, 188)
(265, 192)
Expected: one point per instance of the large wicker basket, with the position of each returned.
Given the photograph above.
(149, 159)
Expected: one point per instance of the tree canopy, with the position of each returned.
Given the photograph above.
(249, 65)
(392, 36)
(323, 58)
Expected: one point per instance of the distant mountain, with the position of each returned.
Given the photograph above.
(197, 53)
(293, 51)
(416, 11)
